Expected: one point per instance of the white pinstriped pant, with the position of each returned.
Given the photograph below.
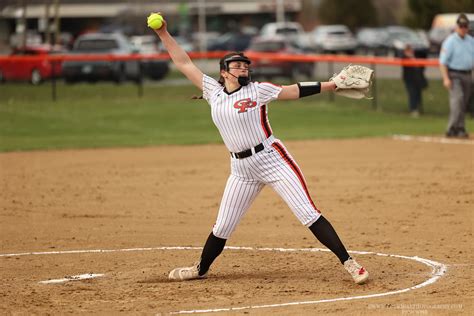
(273, 166)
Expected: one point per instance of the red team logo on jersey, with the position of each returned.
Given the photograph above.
(244, 104)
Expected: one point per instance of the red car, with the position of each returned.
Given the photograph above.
(33, 70)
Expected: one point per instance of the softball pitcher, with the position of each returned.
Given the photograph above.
(239, 111)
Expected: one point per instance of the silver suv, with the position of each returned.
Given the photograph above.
(95, 70)
(334, 39)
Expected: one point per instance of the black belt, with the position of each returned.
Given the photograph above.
(460, 71)
(248, 152)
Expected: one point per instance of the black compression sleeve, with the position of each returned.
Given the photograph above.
(309, 88)
(326, 234)
(212, 249)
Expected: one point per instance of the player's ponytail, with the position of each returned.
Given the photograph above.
(221, 80)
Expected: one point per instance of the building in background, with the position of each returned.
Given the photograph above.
(81, 16)
(76, 17)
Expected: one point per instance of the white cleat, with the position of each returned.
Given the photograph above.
(186, 273)
(358, 273)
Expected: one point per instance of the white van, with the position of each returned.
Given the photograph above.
(444, 24)
(448, 20)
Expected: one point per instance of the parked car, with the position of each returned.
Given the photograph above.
(33, 38)
(232, 41)
(448, 20)
(201, 39)
(265, 68)
(281, 28)
(184, 42)
(292, 31)
(436, 37)
(94, 70)
(152, 68)
(334, 39)
(372, 41)
(400, 36)
(145, 44)
(35, 71)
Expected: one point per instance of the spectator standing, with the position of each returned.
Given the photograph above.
(415, 82)
(456, 64)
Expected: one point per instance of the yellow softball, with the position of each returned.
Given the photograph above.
(155, 21)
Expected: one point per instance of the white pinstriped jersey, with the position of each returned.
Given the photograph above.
(241, 116)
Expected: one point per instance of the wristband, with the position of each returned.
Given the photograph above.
(309, 88)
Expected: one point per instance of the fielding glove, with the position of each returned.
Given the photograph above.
(354, 81)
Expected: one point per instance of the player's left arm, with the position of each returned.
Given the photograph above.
(304, 89)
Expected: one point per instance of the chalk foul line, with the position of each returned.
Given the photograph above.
(429, 139)
(437, 271)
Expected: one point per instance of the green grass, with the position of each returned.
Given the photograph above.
(107, 115)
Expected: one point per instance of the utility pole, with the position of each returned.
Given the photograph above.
(280, 11)
(57, 26)
(202, 25)
(23, 23)
(47, 29)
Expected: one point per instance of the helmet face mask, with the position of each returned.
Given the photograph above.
(243, 80)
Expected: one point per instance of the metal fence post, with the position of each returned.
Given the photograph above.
(331, 72)
(374, 88)
(140, 79)
(53, 80)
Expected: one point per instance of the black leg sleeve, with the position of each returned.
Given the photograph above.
(326, 234)
(212, 249)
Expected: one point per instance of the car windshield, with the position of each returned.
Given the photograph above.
(96, 45)
(368, 35)
(268, 46)
(287, 31)
(405, 36)
(337, 33)
(372, 35)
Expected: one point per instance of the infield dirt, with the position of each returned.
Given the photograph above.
(381, 195)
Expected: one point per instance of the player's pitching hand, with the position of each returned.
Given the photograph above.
(157, 23)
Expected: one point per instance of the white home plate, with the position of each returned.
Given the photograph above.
(73, 278)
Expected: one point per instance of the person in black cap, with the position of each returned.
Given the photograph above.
(456, 64)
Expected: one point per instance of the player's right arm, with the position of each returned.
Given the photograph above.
(179, 57)
(444, 56)
(444, 72)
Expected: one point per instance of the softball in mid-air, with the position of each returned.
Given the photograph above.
(155, 21)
